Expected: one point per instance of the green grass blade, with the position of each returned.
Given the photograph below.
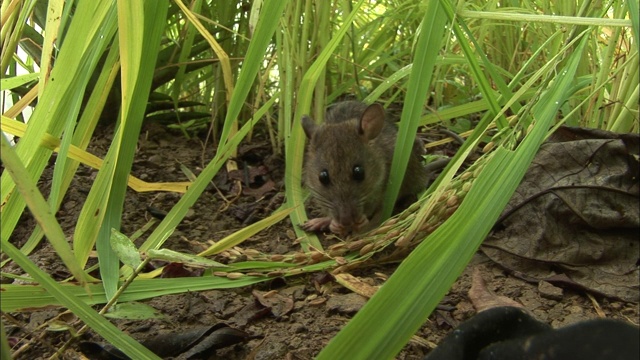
(8, 83)
(460, 29)
(628, 116)
(25, 298)
(79, 308)
(51, 33)
(5, 350)
(427, 49)
(61, 170)
(82, 134)
(635, 22)
(57, 102)
(294, 135)
(185, 54)
(39, 208)
(266, 26)
(139, 23)
(13, 28)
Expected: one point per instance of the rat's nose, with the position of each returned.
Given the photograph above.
(348, 222)
(347, 217)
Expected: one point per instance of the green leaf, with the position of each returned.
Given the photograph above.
(5, 350)
(59, 101)
(134, 311)
(634, 16)
(125, 249)
(141, 26)
(294, 146)
(25, 298)
(39, 208)
(424, 59)
(99, 324)
(8, 83)
(187, 259)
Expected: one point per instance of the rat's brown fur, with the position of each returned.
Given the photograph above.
(354, 134)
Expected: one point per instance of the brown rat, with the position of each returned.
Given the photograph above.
(347, 166)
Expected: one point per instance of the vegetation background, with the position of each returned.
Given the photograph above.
(503, 74)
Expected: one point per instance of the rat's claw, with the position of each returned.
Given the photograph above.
(360, 223)
(333, 225)
(317, 224)
(337, 228)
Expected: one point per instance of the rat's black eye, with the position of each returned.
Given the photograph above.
(358, 173)
(324, 177)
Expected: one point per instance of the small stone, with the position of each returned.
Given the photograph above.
(549, 291)
(155, 161)
(190, 215)
(348, 304)
(298, 328)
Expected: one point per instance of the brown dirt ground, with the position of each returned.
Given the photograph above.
(319, 311)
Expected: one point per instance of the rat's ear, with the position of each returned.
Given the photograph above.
(308, 125)
(371, 122)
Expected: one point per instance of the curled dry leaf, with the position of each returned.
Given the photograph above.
(483, 298)
(278, 304)
(189, 344)
(574, 219)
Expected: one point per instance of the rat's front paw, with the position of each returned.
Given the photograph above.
(317, 224)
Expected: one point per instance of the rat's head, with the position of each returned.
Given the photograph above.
(345, 169)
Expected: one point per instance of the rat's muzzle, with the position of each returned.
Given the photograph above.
(345, 225)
